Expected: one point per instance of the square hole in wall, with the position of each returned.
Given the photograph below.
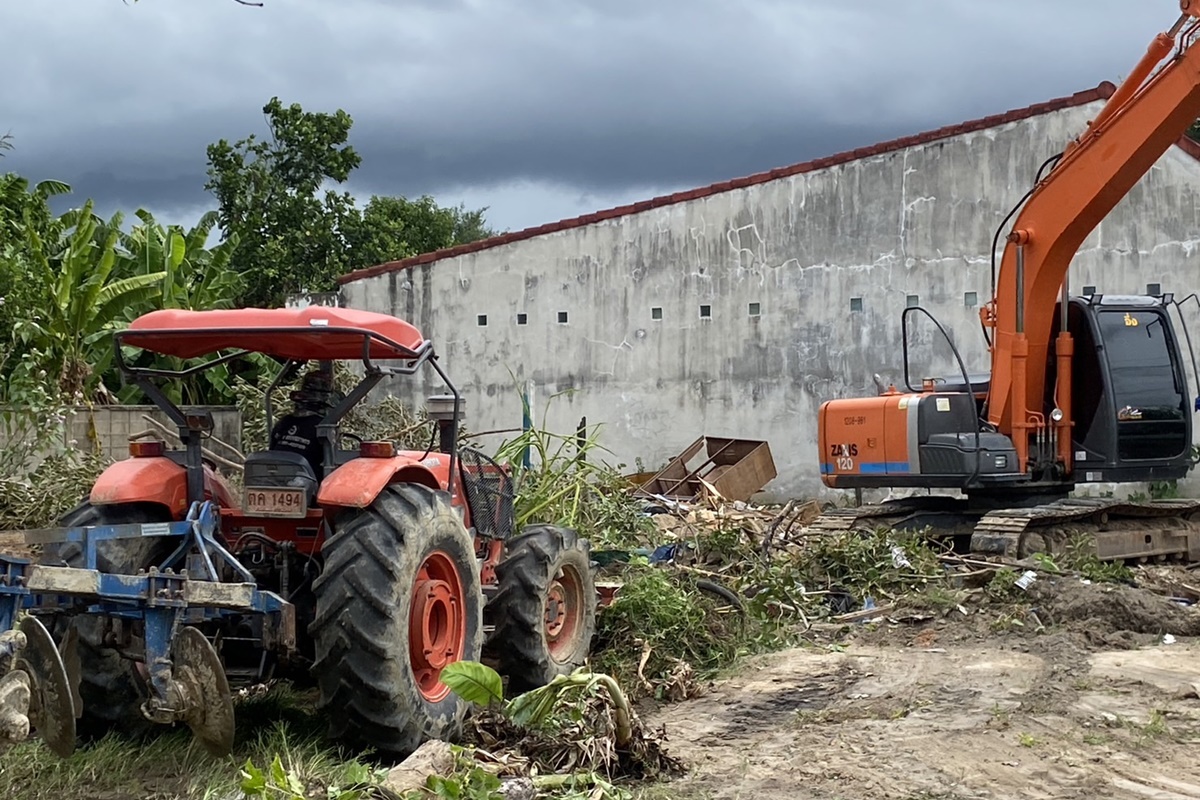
(912, 300)
(856, 304)
(1154, 289)
(656, 312)
(522, 318)
(482, 320)
(705, 312)
(970, 299)
(1088, 291)
(562, 318)
(755, 309)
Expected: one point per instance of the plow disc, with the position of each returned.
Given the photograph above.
(35, 692)
(201, 683)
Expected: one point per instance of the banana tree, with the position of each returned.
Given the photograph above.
(84, 297)
(193, 277)
(23, 206)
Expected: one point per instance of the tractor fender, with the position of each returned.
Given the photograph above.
(153, 480)
(357, 483)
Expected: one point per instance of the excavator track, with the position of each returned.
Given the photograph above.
(1118, 530)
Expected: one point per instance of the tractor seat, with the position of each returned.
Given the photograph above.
(278, 468)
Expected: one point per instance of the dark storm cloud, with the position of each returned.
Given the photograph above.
(593, 95)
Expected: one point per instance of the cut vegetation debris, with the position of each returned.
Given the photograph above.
(696, 586)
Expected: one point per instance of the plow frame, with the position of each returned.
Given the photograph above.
(184, 590)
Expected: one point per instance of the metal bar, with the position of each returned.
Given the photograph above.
(159, 399)
(1062, 303)
(327, 427)
(457, 410)
(151, 372)
(107, 593)
(1020, 288)
(160, 630)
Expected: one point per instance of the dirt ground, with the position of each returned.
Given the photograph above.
(1092, 703)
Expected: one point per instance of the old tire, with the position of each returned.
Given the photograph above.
(398, 598)
(544, 610)
(111, 689)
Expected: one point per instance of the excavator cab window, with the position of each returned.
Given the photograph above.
(1146, 379)
(1129, 390)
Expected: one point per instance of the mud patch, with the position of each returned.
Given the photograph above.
(754, 713)
(1111, 608)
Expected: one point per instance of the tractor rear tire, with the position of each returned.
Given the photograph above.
(544, 610)
(398, 598)
(111, 689)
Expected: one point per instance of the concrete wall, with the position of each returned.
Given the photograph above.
(108, 429)
(918, 221)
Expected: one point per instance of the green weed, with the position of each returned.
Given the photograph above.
(659, 615)
(171, 766)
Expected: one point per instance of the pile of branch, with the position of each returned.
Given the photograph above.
(764, 527)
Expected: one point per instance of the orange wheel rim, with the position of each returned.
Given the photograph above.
(564, 607)
(437, 623)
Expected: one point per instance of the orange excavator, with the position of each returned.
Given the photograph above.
(1082, 390)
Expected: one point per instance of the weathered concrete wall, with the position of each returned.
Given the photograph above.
(809, 251)
(107, 430)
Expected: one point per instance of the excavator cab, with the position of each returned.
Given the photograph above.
(1130, 404)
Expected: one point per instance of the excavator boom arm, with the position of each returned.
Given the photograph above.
(1143, 118)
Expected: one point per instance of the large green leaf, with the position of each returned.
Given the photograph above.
(474, 682)
(535, 706)
(137, 290)
(51, 188)
(178, 249)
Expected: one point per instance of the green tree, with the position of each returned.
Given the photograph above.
(5, 143)
(267, 191)
(23, 208)
(298, 236)
(194, 277)
(394, 227)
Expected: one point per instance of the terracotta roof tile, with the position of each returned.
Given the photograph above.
(1100, 92)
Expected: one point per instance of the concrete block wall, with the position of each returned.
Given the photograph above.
(108, 428)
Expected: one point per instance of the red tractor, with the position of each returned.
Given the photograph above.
(367, 571)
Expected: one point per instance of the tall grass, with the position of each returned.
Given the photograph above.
(569, 482)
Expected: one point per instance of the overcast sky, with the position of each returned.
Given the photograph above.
(539, 109)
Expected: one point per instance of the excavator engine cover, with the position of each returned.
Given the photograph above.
(927, 439)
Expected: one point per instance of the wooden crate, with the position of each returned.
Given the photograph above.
(737, 468)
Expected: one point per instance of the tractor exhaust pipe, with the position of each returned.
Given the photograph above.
(441, 410)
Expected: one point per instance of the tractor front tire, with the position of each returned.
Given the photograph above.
(109, 685)
(544, 610)
(398, 598)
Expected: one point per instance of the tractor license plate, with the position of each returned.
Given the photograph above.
(275, 502)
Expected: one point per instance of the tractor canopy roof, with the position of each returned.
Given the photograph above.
(318, 333)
